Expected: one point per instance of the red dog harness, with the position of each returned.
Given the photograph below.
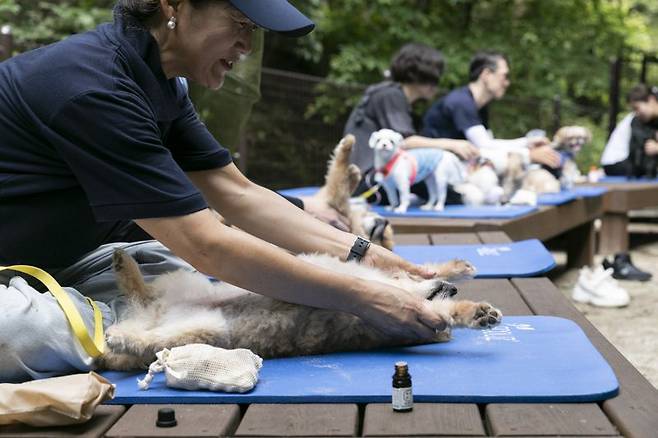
(401, 153)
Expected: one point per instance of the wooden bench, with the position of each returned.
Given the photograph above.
(633, 413)
(572, 221)
(617, 202)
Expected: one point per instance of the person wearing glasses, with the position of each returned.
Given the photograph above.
(100, 148)
(463, 114)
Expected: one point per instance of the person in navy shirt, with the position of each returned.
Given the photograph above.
(415, 71)
(100, 147)
(463, 114)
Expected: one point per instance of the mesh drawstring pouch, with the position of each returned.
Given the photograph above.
(201, 366)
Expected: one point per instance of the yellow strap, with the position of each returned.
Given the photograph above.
(95, 347)
(370, 191)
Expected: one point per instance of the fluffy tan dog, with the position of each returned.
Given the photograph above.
(567, 141)
(185, 307)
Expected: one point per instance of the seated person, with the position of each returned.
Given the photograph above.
(463, 114)
(634, 138)
(415, 72)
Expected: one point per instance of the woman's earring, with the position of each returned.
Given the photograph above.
(171, 24)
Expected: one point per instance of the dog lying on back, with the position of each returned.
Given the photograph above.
(185, 307)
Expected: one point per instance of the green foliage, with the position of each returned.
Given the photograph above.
(35, 23)
(556, 48)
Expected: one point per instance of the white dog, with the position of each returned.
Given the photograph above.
(398, 169)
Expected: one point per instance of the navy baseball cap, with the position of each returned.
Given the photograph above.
(275, 15)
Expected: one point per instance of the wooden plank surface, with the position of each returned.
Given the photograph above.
(581, 245)
(621, 198)
(454, 238)
(613, 236)
(104, 417)
(498, 292)
(494, 237)
(426, 419)
(299, 420)
(635, 410)
(412, 239)
(193, 421)
(548, 419)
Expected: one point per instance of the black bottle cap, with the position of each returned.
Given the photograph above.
(166, 418)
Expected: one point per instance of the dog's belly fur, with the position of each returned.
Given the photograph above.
(225, 316)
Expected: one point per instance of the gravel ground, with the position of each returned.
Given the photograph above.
(632, 329)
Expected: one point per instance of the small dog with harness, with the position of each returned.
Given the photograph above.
(398, 169)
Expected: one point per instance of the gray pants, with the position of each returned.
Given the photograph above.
(36, 340)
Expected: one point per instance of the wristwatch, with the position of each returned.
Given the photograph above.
(359, 249)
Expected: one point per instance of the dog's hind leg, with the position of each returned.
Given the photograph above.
(433, 188)
(129, 278)
(342, 177)
(123, 342)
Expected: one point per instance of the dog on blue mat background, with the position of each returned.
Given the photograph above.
(398, 169)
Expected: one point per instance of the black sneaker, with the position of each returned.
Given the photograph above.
(624, 269)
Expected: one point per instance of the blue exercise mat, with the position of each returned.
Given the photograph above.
(556, 198)
(450, 211)
(623, 179)
(526, 258)
(525, 359)
(462, 212)
(300, 191)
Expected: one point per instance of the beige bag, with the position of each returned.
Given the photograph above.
(56, 401)
(201, 366)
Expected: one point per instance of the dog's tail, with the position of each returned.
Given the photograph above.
(130, 279)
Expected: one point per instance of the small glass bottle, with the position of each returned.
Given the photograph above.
(403, 399)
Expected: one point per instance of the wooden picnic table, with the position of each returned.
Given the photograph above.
(572, 221)
(617, 202)
(632, 413)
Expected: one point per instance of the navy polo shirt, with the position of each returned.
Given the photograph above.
(92, 136)
(453, 114)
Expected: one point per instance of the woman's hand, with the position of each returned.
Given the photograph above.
(463, 149)
(397, 313)
(545, 155)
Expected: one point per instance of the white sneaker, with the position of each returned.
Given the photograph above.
(598, 288)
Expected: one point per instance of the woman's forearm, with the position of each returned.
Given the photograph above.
(247, 262)
(283, 224)
(418, 141)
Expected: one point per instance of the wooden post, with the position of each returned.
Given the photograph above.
(615, 77)
(6, 42)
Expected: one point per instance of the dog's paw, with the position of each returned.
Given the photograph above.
(116, 341)
(439, 207)
(426, 207)
(455, 269)
(346, 143)
(486, 316)
(459, 269)
(400, 209)
(118, 259)
(354, 173)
